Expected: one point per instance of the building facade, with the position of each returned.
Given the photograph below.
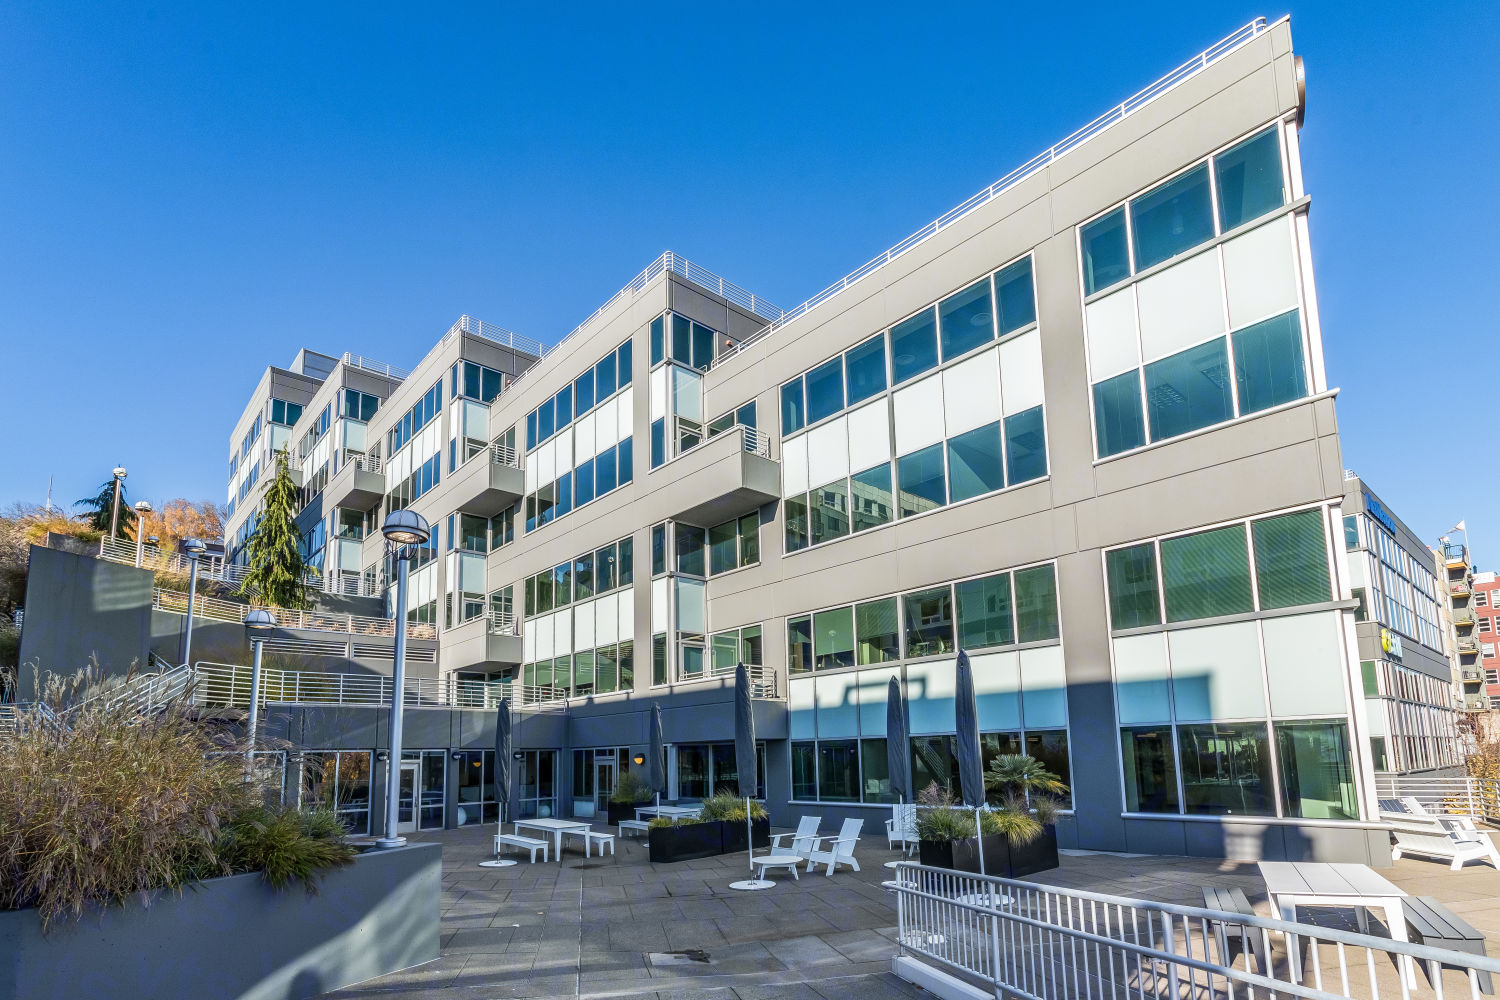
(1079, 428)
(1482, 679)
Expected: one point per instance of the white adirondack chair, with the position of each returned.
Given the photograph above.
(840, 850)
(1454, 846)
(901, 828)
(802, 841)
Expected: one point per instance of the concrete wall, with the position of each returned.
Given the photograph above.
(80, 608)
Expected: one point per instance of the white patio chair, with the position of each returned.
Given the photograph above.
(1456, 847)
(901, 828)
(840, 849)
(802, 840)
(1448, 821)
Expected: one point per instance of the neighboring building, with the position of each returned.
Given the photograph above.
(1080, 428)
(1463, 624)
(1405, 666)
(1482, 677)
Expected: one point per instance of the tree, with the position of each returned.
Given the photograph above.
(276, 565)
(99, 509)
(180, 519)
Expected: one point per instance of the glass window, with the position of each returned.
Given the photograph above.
(793, 415)
(1050, 746)
(875, 767)
(604, 575)
(829, 511)
(1036, 604)
(799, 648)
(658, 441)
(985, 612)
(1317, 774)
(975, 465)
(562, 584)
(1226, 769)
(934, 762)
(1117, 414)
(870, 498)
(564, 400)
(658, 659)
(605, 472)
(624, 358)
(966, 319)
(725, 650)
(876, 632)
(1174, 217)
(1017, 298)
(1131, 574)
(914, 346)
(604, 377)
(692, 660)
(825, 390)
(1025, 446)
(1189, 390)
(658, 549)
(746, 414)
(929, 622)
(583, 391)
(564, 494)
(544, 421)
(682, 340)
(1106, 255)
(583, 674)
(795, 511)
(920, 475)
(583, 576)
(838, 770)
(583, 484)
(1150, 769)
(1268, 366)
(1249, 179)
(1206, 574)
(833, 639)
(658, 340)
(723, 542)
(689, 543)
(1291, 562)
(750, 645)
(805, 771)
(749, 530)
(703, 347)
(544, 592)
(864, 369)
(692, 772)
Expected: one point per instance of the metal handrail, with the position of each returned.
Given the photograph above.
(228, 684)
(502, 623)
(218, 609)
(371, 365)
(762, 678)
(366, 463)
(505, 455)
(1114, 115)
(755, 442)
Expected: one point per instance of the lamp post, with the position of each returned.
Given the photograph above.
(114, 517)
(142, 508)
(403, 529)
(195, 548)
(257, 622)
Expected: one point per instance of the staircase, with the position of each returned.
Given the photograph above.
(142, 696)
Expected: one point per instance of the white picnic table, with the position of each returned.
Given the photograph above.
(556, 827)
(671, 812)
(1319, 883)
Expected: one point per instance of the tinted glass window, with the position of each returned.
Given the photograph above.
(583, 391)
(865, 369)
(984, 612)
(690, 541)
(1207, 574)
(1025, 446)
(967, 319)
(920, 476)
(799, 644)
(605, 472)
(1268, 363)
(1017, 299)
(1150, 769)
(682, 340)
(876, 632)
(1175, 217)
(929, 622)
(604, 377)
(723, 541)
(914, 346)
(1133, 599)
(833, 639)
(829, 511)
(564, 402)
(792, 411)
(624, 361)
(1036, 604)
(658, 339)
(870, 501)
(795, 513)
(583, 484)
(544, 426)
(703, 347)
(1249, 179)
(1106, 254)
(1291, 562)
(1117, 414)
(1226, 769)
(625, 461)
(974, 463)
(1189, 390)
(825, 390)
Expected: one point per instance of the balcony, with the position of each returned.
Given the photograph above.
(1468, 643)
(487, 483)
(1455, 555)
(728, 475)
(358, 485)
(1461, 587)
(1463, 617)
(488, 642)
(1471, 674)
(1476, 703)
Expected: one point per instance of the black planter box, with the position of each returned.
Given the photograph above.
(685, 843)
(624, 810)
(1001, 858)
(733, 835)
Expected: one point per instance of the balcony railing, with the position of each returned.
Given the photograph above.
(371, 365)
(1470, 675)
(1456, 554)
(1467, 644)
(505, 455)
(502, 623)
(217, 609)
(362, 461)
(1476, 703)
(756, 443)
(1461, 587)
(1463, 616)
(225, 684)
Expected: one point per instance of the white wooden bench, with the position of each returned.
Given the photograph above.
(634, 824)
(524, 843)
(594, 837)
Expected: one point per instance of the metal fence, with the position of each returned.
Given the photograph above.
(218, 609)
(1458, 796)
(1019, 939)
(228, 684)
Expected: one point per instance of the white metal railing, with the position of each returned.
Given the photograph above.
(762, 679)
(1014, 938)
(1039, 162)
(361, 460)
(1457, 796)
(371, 365)
(501, 623)
(218, 609)
(228, 684)
(756, 443)
(502, 454)
(496, 334)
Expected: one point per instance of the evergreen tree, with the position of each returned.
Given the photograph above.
(99, 508)
(276, 565)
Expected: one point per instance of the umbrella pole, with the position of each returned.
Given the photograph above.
(749, 835)
(979, 840)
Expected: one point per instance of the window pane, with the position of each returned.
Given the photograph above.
(1291, 564)
(875, 629)
(604, 377)
(833, 638)
(870, 500)
(606, 670)
(1025, 446)
(583, 484)
(604, 472)
(749, 531)
(799, 650)
(913, 346)
(1036, 604)
(1017, 298)
(1226, 769)
(544, 421)
(825, 390)
(750, 645)
(562, 584)
(564, 400)
(583, 673)
(967, 319)
(689, 542)
(805, 771)
(929, 622)
(829, 511)
(974, 463)
(658, 659)
(544, 592)
(864, 369)
(1317, 775)
(658, 340)
(934, 762)
(1177, 216)
(658, 441)
(658, 549)
(1249, 177)
(583, 392)
(792, 412)
(726, 650)
(583, 577)
(984, 612)
(1117, 414)
(1268, 363)
(1133, 600)
(1150, 769)
(795, 512)
(692, 661)
(1206, 574)
(1106, 258)
(624, 360)
(722, 547)
(1050, 746)
(876, 770)
(920, 475)
(682, 340)
(703, 347)
(1189, 390)
(838, 771)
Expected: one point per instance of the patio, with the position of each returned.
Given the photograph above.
(621, 926)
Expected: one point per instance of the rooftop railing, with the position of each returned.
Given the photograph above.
(218, 609)
(1042, 160)
(371, 365)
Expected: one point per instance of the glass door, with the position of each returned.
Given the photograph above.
(604, 783)
(406, 813)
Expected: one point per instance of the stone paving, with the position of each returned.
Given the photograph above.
(607, 927)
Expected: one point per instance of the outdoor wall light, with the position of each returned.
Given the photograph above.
(382, 755)
(406, 527)
(639, 759)
(152, 539)
(518, 755)
(458, 755)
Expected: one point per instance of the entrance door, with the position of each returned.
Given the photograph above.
(406, 794)
(604, 784)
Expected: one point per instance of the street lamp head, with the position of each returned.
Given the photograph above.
(143, 507)
(119, 471)
(406, 527)
(258, 619)
(152, 539)
(194, 547)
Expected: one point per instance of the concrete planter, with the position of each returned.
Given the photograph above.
(1001, 858)
(237, 938)
(685, 843)
(733, 834)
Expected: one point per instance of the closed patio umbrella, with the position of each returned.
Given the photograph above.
(747, 766)
(897, 750)
(656, 763)
(970, 762)
(501, 773)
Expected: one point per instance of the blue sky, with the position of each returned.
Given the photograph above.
(192, 192)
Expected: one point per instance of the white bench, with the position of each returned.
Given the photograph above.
(524, 843)
(594, 837)
(633, 824)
